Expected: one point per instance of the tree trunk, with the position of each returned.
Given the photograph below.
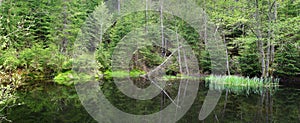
(119, 6)
(162, 29)
(269, 39)
(272, 45)
(227, 57)
(146, 17)
(259, 39)
(64, 29)
(179, 56)
(205, 24)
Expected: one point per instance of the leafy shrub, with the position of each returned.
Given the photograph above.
(42, 60)
(9, 60)
(64, 78)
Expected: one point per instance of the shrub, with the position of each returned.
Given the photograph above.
(9, 60)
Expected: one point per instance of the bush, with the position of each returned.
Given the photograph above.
(42, 61)
(35, 62)
(9, 60)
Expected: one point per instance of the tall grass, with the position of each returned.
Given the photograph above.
(243, 81)
(124, 74)
(239, 85)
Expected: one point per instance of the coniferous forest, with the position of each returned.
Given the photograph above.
(38, 39)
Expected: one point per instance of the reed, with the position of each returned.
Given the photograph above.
(242, 81)
(239, 85)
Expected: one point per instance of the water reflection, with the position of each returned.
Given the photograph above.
(48, 103)
(52, 103)
(242, 89)
(262, 105)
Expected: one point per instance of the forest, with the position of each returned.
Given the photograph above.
(38, 39)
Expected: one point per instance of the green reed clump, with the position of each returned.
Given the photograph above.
(239, 85)
(242, 81)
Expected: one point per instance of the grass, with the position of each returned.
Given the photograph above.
(237, 84)
(69, 78)
(242, 81)
(123, 74)
(179, 76)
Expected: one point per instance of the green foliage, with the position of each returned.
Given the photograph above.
(37, 40)
(65, 78)
(288, 52)
(48, 103)
(8, 99)
(150, 56)
(179, 77)
(37, 37)
(67, 65)
(123, 74)
(31, 35)
(287, 61)
(38, 59)
(69, 78)
(9, 60)
(205, 62)
(248, 57)
(136, 73)
(8, 96)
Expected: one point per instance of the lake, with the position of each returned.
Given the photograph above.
(60, 104)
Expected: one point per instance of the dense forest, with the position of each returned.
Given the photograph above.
(262, 37)
(37, 39)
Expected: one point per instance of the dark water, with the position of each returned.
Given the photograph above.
(50, 103)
